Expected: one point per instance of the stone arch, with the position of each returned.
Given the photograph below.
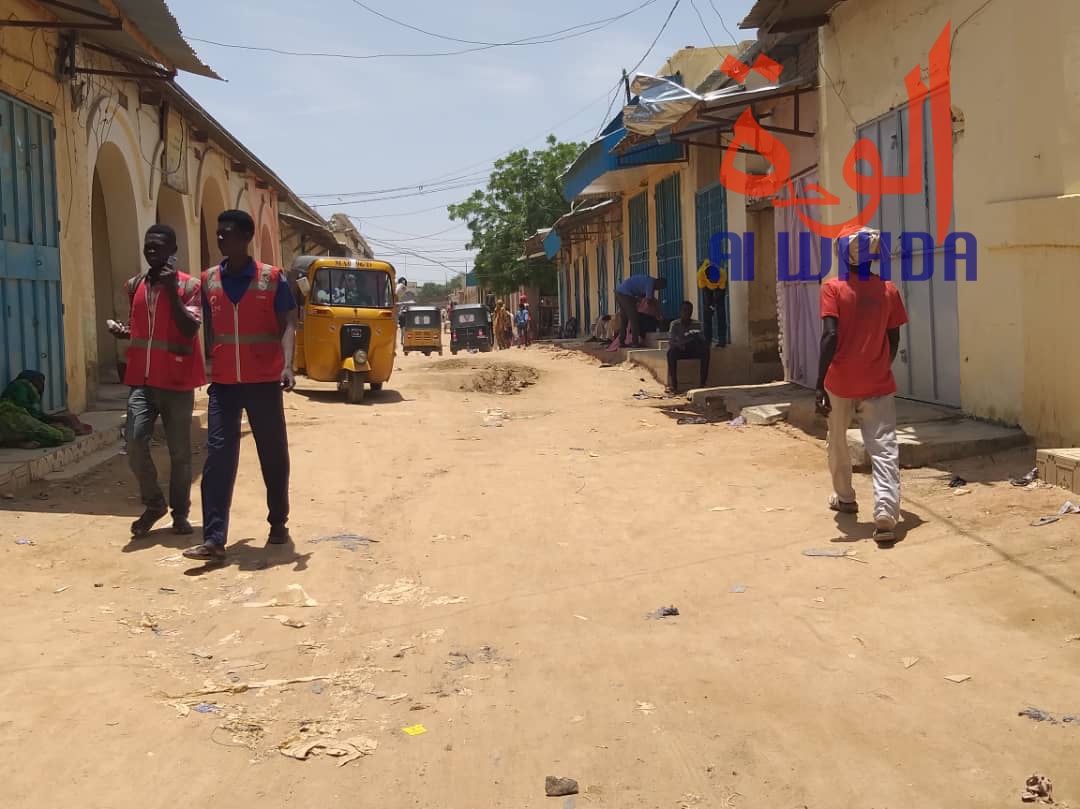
(211, 204)
(116, 242)
(267, 253)
(170, 211)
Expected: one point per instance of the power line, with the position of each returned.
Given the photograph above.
(723, 24)
(414, 237)
(539, 39)
(704, 27)
(476, 175)
(397, 196)
(524, 41)
(659, 34)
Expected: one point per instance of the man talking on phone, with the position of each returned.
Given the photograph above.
(163, 368)
(251, 314)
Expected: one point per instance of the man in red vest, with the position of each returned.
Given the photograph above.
(164, 366)
(251, 314)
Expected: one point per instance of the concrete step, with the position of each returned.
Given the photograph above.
(728, 366)
(926, 443)
(20, 467)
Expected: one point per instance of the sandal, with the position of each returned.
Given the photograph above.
(207, 552)
(836, 504)
(141, 527)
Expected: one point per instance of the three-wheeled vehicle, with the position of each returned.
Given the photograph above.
(470, 327)
(347, 331)
(421, 330)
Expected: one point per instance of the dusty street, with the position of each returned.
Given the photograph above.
(502, 604)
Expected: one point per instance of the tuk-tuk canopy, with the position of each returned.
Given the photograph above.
(470, 314)
(423, 316)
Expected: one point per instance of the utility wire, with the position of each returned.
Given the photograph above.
(540, 39)
(704, 27)
(723, 24)
(525, 41)
(659, 34)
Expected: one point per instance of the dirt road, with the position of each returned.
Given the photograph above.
(498, 598)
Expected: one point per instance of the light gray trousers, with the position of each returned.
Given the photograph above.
(877, 418)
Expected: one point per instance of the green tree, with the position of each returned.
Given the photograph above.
(524, 194)
(431, 294)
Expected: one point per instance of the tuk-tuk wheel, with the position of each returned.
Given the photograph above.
(376, 387)
(453, 351)
(440, 352)
(354, 389)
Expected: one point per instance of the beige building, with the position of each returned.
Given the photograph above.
(100, 148)
(997, 347)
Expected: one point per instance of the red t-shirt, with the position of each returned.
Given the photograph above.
(866, 309)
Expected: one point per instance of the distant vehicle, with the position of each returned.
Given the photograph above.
(470, 327)
(422, 330)
(347, 332)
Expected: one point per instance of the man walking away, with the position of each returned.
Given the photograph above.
(252, 317)
(686, 343)
(861, 319)
(628, 294)
(164, 366)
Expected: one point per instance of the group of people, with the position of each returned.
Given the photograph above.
(504, 324)
(250, 315)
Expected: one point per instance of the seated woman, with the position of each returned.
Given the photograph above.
(22, 421)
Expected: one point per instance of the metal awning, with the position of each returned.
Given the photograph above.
(779, 16)
(319, 232)
(660, 104)
(552, 244)
(142, 30)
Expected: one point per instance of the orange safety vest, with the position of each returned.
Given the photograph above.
(160, 355)
(246, 336)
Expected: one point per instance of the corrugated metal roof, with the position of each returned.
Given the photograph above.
(146, 21)
(770, 15)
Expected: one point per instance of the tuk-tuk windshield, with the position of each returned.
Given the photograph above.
(421, 319)
(369, 289)
(469, 317)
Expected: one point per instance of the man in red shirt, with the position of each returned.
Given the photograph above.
(163, 368)
(861, 316)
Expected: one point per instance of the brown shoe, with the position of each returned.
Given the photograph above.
(207, 552)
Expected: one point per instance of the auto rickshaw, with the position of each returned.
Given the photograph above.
(422, 330)
(470, 327)
(347, 332)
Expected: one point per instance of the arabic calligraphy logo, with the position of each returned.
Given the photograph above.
(872, 186)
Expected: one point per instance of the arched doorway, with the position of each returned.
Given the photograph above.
(266, 246)
(170, 211)
(116, 255)
(210, 207)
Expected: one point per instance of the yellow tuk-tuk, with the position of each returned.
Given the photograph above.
(347, 331)
(421, 330)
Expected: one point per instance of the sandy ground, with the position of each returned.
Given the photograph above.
(502, 605)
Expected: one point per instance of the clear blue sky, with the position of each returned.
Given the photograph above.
(329, 126)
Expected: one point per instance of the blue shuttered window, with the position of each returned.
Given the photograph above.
(620, 266)
(31, 309)
(601, 279)
(669, 245)
(639, 234)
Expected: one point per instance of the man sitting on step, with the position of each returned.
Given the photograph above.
(687, 343)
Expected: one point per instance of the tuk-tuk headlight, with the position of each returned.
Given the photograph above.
(360, 357)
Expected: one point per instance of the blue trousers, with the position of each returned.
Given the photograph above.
(266, 414)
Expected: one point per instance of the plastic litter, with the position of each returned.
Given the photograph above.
(1069, 508)
(291, 596)
(24, 542)
(349, 542)
(957, 482)
(560, 787)
(909, 661)
(738, 421)
(285, 620)
(665, 612)
(646, 707)
(206, 707)
(693, 420)
(1038, 715)
(1039, 523)
(1038, 788)
(347, 750)
(1027, 479)
(958, 678)
(722, 508)
(414, 730)
(738, 588)
(644, 394)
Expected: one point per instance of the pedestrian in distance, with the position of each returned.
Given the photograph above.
(629, 294)
(164, 366)
(861, 316)
(251, 313)
(523, 320)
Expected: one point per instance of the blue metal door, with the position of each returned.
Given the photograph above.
(562, 297)
(639, 234)
(31, 312)
(577, 291)
(586, 324)
(620, 267)
(601, 279)
(669, 246)
(711, 218)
